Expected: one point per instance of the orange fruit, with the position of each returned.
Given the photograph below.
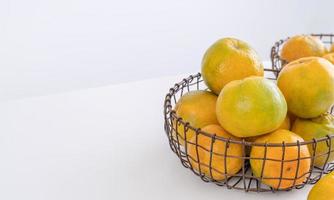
(323, 189)
(233, 165)
(301, 46)
(272, 169)
(329, 57)
(308, 86)
(251, 107)
(317, 128)
(227, 60)
(198, 108)
(292, 118)
(286, 123)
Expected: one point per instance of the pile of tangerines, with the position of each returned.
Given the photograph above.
(242, 104)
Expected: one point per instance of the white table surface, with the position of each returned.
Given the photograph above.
(101, 143)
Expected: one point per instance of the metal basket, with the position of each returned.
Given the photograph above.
(244, 179)
(277, 62)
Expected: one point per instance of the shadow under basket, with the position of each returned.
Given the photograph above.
(178, 133)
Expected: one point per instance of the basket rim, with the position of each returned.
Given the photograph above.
(168, 110)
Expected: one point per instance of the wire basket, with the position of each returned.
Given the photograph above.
(277, 62)
(243, 179)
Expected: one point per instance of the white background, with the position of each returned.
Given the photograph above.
(108, 142)
(101, 143)
(62, 45)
